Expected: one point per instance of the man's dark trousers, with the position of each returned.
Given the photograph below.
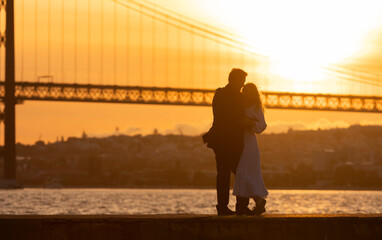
(224, 166)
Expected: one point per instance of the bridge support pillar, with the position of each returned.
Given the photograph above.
(9, 176)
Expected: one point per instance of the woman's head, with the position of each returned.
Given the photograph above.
(252, 95)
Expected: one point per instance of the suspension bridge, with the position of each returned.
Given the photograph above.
(131, 51)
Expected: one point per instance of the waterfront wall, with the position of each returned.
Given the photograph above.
(184, 227)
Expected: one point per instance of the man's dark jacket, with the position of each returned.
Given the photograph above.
(227, 134)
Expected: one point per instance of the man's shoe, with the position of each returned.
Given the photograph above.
(224, 211)
(244, 211)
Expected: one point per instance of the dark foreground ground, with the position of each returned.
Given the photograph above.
(184, 227)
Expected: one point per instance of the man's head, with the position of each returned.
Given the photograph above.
(236, 78)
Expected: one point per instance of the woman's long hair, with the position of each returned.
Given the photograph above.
(252, 96)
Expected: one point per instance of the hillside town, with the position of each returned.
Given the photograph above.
(339, 158)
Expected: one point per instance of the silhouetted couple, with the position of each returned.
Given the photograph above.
(238, 116)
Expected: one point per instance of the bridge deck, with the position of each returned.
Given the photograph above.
(181, 96)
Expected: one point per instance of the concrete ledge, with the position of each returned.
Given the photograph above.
(186, 227)
(10, 184)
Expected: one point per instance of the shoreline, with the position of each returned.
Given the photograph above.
(201, 188)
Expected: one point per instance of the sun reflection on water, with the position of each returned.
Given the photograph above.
(177, 201)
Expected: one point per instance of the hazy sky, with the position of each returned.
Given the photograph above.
(301, 35)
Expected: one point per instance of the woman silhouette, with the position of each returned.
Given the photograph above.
(249, 180)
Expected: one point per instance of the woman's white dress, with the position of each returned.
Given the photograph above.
(249, 180)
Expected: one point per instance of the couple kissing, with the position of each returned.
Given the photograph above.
(238, 115)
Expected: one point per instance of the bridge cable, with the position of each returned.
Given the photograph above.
(89, 41)
(140, 47)
(230, 57)
(75, 39)
(153, 55)
(115, 45)
(192, 75)
(166, 53)
(22, 42)
(217, 53)
(203, 61)
(243, 59)
(355, 71)
(62, 40)
(49, 36)
(180, 16)
(101, 41)
(172, 16)
(35, 42)
(179, 58)
(351, 77)
(203, 34)
(127, 44)
(348, 77)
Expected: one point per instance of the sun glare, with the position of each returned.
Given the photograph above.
(297, 71)
(301, 35)
(319, 32)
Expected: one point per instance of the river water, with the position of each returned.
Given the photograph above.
(176, 201)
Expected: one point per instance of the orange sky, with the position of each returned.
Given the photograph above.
(297, 34)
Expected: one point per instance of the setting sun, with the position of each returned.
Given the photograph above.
(306, 31)
(301, 36)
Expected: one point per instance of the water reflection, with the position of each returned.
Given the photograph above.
(173, 201)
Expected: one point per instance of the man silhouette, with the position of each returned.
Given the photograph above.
(226, 138)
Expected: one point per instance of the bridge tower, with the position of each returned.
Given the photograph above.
(7, 39)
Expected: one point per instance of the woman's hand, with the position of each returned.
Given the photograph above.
(247, 123)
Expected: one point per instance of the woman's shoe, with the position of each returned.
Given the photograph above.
(260, 207)
(244, 211)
